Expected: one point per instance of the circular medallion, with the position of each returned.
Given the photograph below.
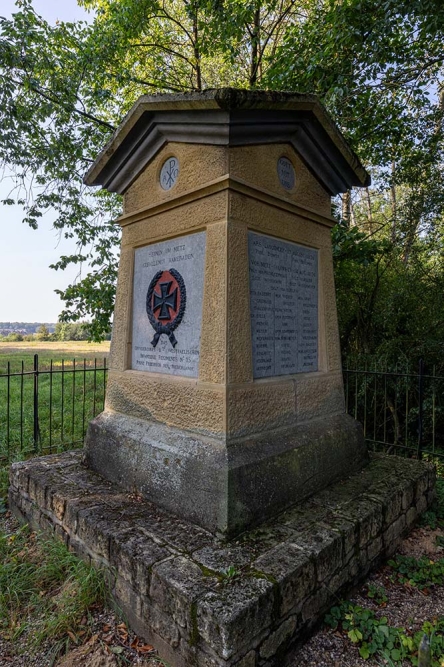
(165, 304)
(169, 173)
(286, 173)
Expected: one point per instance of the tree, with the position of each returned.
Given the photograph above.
(64, 88)
(42, 333)
(71, 331)
(377, 66)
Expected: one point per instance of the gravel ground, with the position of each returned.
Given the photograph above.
(406, 607)
(109, 643)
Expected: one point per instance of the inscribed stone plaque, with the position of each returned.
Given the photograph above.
(283, 306)
(167, 306)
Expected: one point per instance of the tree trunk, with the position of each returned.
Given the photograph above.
(346, 207)
(255, 46)
(197, 52)
(394, 204)
(369, 210)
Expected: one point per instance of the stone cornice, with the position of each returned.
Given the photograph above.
(228, 117)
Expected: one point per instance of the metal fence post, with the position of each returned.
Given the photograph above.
(421, 405)
(36, 403)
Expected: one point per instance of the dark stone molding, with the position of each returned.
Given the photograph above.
(228, 117)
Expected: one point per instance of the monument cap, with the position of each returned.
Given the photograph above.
(228, 117)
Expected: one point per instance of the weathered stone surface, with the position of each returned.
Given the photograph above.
(133, 556)
(176, 585)
(220, 560)
(367, 513)
(274, 643)
(240, 603)
(293, 572)
(224, 489)
(324, 548)
(237, 615)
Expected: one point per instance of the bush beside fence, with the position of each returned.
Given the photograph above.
(400, 409)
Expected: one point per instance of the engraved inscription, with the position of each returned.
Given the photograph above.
(283, 305)
(286, 174)
(170, 264)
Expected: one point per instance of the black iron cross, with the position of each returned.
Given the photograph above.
(165, 301)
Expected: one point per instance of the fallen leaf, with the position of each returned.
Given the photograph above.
(145, 648)
(72, 636)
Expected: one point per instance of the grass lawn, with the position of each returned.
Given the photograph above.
(15, 353)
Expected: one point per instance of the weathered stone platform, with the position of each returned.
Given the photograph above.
(244, 603)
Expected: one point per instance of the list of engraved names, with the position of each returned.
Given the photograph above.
(283, 306)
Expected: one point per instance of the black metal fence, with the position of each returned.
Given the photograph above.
(400, 410)
(43, 410)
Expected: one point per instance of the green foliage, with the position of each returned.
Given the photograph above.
(230, 573)
(377, 593)
(434, 517)
(11, 338)
(44, 587)
(376, 66)
(71, 331)
(43, 333)
(421, 573)
(64, 89)
(375, 637)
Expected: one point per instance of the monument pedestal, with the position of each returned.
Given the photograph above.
(225, 404)
(225, 398)
(223, 487)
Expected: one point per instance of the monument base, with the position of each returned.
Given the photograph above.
(224, 487)
(206, 603)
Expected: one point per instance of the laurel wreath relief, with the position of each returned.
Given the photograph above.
(169, 328)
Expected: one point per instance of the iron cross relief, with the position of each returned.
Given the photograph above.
(165, 300)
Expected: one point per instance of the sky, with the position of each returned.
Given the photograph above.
(27, 283)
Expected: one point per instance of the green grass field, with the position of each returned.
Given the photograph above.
(67, 398)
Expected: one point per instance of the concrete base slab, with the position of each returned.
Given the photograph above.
(209, 603)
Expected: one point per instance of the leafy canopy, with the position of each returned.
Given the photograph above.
(376, 64)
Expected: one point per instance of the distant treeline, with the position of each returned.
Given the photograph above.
(25, 327)
(11, 332)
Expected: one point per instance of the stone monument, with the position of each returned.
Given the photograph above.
(225, 399)
(224, 406)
